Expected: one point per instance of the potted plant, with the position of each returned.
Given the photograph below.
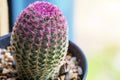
(40, 44)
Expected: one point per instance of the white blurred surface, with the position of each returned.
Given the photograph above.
(97, 32)
(96, 22)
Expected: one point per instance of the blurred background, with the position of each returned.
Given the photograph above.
(97, 32)
(94, 25)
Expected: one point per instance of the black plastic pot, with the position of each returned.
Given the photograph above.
(73, 48)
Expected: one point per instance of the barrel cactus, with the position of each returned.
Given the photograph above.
(39, 41)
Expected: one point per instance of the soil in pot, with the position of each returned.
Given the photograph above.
(69, 70)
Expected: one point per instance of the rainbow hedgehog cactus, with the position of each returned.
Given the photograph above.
(39, 41)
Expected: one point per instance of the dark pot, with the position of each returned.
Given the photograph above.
(73, 48)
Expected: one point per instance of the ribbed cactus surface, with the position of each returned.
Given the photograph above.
(39, 40)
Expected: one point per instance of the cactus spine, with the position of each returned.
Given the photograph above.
(39, 40)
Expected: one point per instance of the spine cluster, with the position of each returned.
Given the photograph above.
(39, 40)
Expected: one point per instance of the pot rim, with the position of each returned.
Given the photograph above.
(5, 41)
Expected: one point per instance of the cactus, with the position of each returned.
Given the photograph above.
(39, 41)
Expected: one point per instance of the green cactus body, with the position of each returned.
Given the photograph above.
(39, 40)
